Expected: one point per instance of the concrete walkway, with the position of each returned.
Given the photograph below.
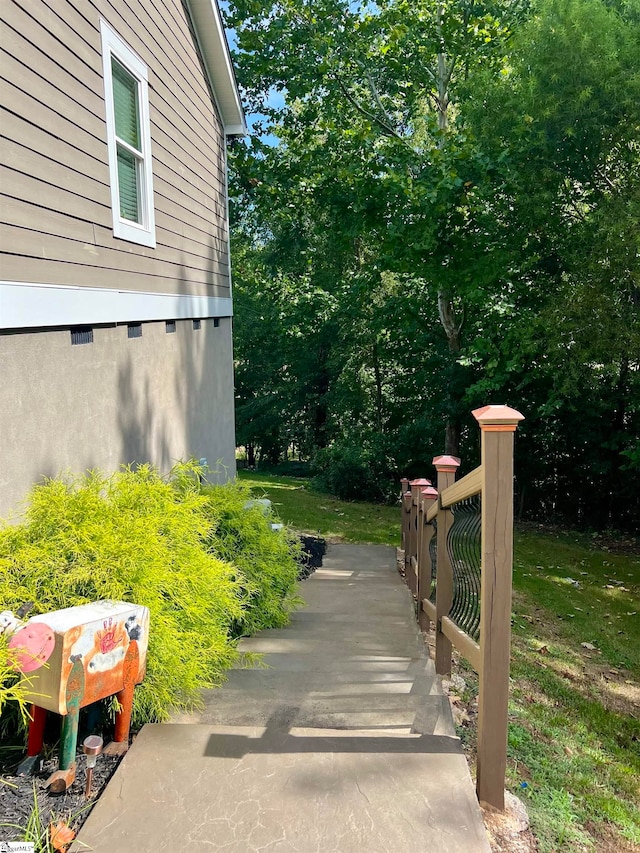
(345, 743)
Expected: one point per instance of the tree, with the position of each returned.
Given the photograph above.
(450, 214)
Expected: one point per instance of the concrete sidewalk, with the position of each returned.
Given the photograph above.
(345, 743)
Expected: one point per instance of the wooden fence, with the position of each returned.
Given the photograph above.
(457, 557)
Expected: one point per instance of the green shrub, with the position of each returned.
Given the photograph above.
(242, 535)
(165, 543)
(355, 471)
(11, 690)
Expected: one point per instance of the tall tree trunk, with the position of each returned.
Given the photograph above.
(320, 413)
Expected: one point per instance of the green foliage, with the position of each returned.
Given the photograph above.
(449, 218)
(241, 535)
(139, 537)
(353, 471)
(11, 690)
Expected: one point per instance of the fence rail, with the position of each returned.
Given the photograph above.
(457, 557)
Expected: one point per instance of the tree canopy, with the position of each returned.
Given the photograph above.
(439, 207)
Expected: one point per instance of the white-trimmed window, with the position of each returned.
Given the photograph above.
(126, 95)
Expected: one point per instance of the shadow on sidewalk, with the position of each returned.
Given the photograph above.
(278, 740)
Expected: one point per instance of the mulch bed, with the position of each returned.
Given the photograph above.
(17, 792)
(313, 550)
(17, 795)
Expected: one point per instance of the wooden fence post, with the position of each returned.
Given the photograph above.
(498, 424)
(411, 561)
(446, 466)
(405, 498)
(429, 495)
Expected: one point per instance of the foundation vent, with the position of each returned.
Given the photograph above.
(81, 335)
(197, 324)
(134, 330)
(170, 326)
(216, 322)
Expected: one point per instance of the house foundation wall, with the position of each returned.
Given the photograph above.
(159, 397)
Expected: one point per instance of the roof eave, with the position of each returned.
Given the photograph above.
(212, 39)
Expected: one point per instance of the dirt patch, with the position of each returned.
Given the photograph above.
(614, 688)
(509, 830)
(608, 841)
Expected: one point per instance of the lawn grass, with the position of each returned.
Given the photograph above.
(574, 735)
(308, 511)
(574, 732)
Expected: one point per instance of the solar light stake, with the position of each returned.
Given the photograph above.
(92, 747)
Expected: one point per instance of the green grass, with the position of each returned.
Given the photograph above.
(312, 512)
(575, 712)
(574, 734)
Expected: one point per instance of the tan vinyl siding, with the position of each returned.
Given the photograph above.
(56, 205)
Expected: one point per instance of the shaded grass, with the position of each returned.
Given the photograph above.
(574, 732)
(574, 713)
(312, 512)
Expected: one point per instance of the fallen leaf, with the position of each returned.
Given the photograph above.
(61, 836)
(543, 650)
(589, 646)
(460, 716)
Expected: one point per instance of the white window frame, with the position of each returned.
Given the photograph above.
(143, 233)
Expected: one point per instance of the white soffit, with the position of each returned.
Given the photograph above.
(27, 306)
(207, 22)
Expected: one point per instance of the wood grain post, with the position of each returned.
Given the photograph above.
(404, 525)
(446, 466)
(414, 533)
(498, 424)
(429, 495)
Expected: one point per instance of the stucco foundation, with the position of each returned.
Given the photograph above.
(158, 398)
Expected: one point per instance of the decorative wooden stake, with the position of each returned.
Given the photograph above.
(62, 779)
(35, 741)
(120, 743)
(498, 424)
(446, 466)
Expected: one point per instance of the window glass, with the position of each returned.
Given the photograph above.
(126, 92)
(125, 105)
(128, 186)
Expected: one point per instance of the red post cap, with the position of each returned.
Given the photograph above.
(497, 418)
(447, 464)
(419, 482)
(430, 494)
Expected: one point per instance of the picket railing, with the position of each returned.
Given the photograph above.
(457, 557)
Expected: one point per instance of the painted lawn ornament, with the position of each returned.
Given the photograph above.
(92, 651)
